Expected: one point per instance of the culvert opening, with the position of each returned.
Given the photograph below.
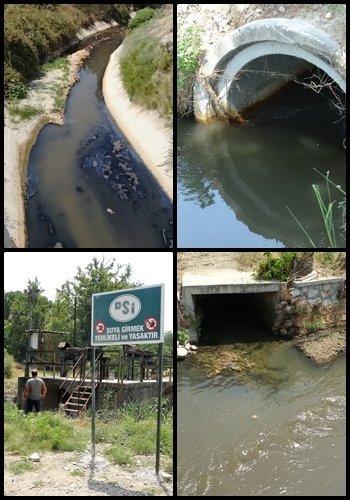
(308, 95)
(237, 317)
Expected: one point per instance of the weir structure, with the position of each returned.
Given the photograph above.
(257, 59)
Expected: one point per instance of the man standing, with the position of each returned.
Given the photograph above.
(35, 390)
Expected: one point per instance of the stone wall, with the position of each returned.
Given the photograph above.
(311, 306)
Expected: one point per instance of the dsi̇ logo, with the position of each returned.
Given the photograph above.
(125, 307)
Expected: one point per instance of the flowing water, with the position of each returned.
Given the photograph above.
(294, 445)
(234, 182)
(75, 174)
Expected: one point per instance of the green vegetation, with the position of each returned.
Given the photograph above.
(188, 60)
(314, 325)
(327, 211)
(46, 431)
(25, 112)
(141, 16)
(34, 32)
(59, 63)
(130, 430)
(146, 67)
(8, 364)
(278, 268)
(98, 276)
(22, 466)
(183, 337)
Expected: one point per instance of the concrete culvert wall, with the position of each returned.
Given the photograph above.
(237, 72)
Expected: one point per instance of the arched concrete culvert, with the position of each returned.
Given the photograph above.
(278, 47)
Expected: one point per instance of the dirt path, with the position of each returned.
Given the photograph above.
(62, 474)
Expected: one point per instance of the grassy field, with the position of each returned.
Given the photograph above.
(128, 431)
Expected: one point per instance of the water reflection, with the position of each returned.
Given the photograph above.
(235, 182)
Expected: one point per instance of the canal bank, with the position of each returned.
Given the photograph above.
(145, 129)
(20, 137)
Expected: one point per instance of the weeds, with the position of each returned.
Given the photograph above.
(146, 70)
(141, 16)
(183, 337)
(59, 63)
(24, 112)
(22, 466)
(278, 268)
(25, 434)
(188, 60)
(327, 211)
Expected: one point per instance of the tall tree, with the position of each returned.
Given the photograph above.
(98, 276)
(27, 310)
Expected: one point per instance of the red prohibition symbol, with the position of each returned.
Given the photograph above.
(151, 324)
(100, 327)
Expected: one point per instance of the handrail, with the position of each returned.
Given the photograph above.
(80, 385)
(72, 371)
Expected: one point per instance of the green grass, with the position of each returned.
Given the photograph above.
(23, 112)
(134, 430)
(146, 70)
(59, 63)
(22, 466)
(326, 207)
(46, 431)
(130, 430)
(314, 325)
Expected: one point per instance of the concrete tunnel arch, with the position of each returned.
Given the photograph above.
(288, 39)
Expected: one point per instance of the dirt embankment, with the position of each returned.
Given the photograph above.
(323, 347)
(70, 474)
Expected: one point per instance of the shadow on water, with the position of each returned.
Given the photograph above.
(234, 182)
(87, 187)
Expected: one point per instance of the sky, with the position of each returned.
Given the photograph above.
(53, 268)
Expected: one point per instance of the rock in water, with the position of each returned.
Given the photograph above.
(58, 245)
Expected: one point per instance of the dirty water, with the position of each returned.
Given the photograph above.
(87, 187)
(271, 425)
(235, 181)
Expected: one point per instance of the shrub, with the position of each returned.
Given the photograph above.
(276, 268)
(188, 60)
(183, 337)
(141, 17)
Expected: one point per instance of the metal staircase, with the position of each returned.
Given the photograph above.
(79, 400)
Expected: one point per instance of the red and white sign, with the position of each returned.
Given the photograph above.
(100, 327)
(151, 324)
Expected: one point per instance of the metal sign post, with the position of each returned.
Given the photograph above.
(159, 411)
(93, 400)
(129, 316)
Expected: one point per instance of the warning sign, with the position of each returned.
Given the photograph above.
(100, 327)
(151, 324)
(131, 316)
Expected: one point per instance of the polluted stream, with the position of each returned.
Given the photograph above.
(87, 187)
(235, 181)
(268, 423)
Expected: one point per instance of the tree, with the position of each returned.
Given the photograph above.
(98, 276)
(26, 310)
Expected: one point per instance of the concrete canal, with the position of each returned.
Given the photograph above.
(87, 188)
